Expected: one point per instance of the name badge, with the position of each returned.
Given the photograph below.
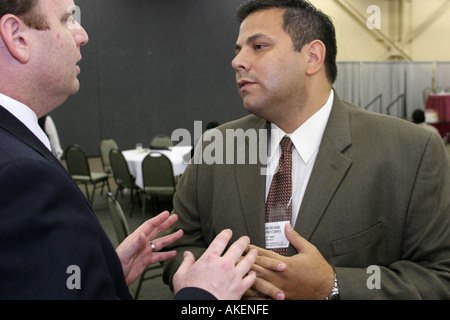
(275, 237)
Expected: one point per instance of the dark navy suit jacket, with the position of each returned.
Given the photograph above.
(51, 244)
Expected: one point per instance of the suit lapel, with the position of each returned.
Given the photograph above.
(252, 196)
(329, 170)
(251, 188)
(19, 130)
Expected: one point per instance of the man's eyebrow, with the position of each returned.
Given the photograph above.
(252, 39)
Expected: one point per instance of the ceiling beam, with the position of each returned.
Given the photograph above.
(426, 24)
(376, 33)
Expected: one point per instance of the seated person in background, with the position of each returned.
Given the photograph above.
(418, 118)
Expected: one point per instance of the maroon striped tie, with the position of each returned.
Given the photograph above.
(278, 203)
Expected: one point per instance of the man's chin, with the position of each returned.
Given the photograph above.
(253, 108)
(75, 88)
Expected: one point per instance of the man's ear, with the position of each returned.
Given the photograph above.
(316, 51)
(14, 34)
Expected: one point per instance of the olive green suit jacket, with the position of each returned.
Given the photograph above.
(378, 196)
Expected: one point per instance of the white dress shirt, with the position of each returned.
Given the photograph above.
(26, 116)
(306, 141)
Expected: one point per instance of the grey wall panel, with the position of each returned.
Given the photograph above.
(150, 67)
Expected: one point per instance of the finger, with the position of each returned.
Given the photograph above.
(158, 224)
(265, 273)
(246, 263)
(137, 245)
(159, 219)
(188, 261)
(150, 225)
(162, 256)
(270, 263)
(252, 294)
(297, 241)
(268, 289)
(248, 294)
(186, 264)
(131, 246)
(247, 282)
(162, 242)
(235, 251)
(219, 243)
(264, 252)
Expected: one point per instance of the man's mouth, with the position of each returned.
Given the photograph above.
(243, 84)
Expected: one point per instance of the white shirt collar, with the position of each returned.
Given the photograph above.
(308, 136)
(26, 116)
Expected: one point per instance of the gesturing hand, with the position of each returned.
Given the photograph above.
(222, 276)
(135, 253)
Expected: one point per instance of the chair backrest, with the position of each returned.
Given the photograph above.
(157, 171)
(118, 218)
(119, 167)
(105, 146)
(77, 161)
(161, 141)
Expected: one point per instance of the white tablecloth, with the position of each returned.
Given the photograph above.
(178, 155)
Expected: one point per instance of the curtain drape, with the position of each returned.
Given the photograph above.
(390, 87)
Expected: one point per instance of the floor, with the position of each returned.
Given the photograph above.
(153, 289)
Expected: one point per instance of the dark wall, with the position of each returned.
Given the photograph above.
(150, 67)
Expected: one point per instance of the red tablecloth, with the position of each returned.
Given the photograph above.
(441, 104)
(443, 127)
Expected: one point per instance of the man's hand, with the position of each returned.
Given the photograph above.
(306, 275)
(226, 277)
(135, 252)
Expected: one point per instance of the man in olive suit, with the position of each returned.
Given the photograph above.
(370, 193)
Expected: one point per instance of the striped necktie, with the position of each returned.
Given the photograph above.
(278, 203)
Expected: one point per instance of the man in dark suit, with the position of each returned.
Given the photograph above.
(51, 244)
(370, 198)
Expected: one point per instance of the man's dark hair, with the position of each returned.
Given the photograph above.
(25, 10)
(418, 116)
(304, 23)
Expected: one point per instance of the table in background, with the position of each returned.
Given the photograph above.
(439, 102)
(178, 155)
(443, 127)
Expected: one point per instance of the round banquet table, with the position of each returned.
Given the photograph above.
(178, 155)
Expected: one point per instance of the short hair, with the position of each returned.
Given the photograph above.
(27, 10)
(304, 23)
(418, 116)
